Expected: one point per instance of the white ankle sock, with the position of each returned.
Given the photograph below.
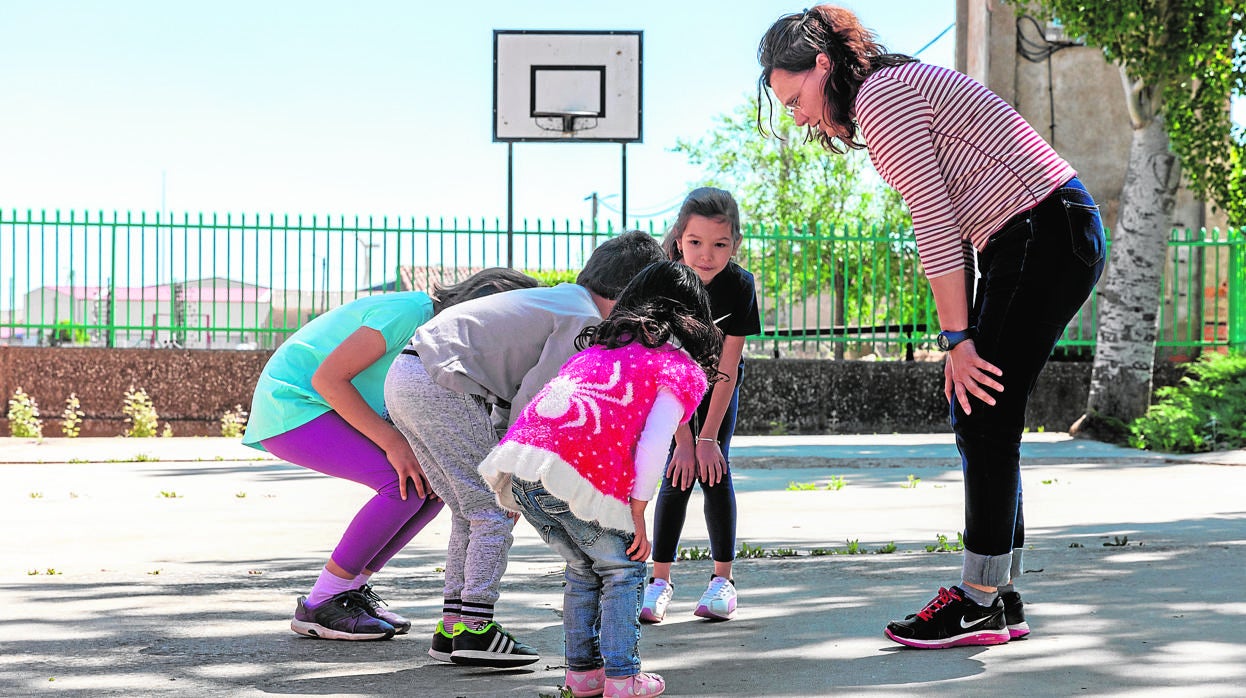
(327, 586)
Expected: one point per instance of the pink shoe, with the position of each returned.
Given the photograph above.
(642, 684)
(586, 684)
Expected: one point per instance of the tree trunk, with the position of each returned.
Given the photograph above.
(1129, 296)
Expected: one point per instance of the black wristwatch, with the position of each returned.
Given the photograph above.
(948, 340)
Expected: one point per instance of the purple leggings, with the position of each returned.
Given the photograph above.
(385, 524)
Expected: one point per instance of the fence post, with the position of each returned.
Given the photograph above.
(1237, 290)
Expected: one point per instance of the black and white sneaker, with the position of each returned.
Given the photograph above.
(1014, 615)
(951, 620)
(490, 646)
(443, 643)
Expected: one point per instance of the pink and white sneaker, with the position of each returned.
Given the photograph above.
(719, 600)
(586, 684)
(658, 594)
(642, 684)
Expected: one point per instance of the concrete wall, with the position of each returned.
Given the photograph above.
(192, 389)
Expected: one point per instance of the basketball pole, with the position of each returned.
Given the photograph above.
(624, 187)
(510, 197)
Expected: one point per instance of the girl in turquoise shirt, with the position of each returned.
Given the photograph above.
(319, 403)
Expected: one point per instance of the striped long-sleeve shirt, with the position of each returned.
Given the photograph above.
(962, 158)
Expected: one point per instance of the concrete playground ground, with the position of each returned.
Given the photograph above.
(171, 566)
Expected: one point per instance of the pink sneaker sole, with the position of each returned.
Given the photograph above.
(983, 638)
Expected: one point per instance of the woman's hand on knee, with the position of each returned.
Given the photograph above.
(965, 374)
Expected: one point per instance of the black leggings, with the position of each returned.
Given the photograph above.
(720, 516)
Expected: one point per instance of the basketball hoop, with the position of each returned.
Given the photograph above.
(567, 122)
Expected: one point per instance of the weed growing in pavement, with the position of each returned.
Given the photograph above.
(1117, 542)
(693, 553)
(240, 495)
(747, 551)
(140, 414)
(801, 486)
(71, 418)
(234, 422)
(783, 552)
(943, 546)
(169, 494)
(1051, 481)
(48, 571)
(886, 549)
(36, 495)
(912, 483)
(836, 483)
(23, 416)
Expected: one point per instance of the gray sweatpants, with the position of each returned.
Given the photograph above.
(450, 433)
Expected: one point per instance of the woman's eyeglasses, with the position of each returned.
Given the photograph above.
(793, 105)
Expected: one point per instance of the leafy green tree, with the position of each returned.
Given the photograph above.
(820, 216)
(1181, 62)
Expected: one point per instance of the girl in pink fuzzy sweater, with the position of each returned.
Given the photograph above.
(583, 459)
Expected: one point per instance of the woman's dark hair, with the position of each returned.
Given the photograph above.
(665, 300)
(793, 43)
(485, 282)
(707, 202)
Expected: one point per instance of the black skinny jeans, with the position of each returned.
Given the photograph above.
(1035, 274)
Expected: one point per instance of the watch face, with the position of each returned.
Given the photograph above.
(942, 342)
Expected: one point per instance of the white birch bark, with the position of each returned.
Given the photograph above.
(1129, 294)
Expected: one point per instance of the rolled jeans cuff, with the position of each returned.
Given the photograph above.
(987, 570)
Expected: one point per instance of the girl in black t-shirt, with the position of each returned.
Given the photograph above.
(705, 236)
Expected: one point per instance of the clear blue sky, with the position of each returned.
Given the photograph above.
(381, 108)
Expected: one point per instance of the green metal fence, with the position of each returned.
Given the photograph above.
(240, 281)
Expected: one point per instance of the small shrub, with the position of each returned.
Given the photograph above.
(1205, 412)
(234, 422)
(71, 418)
(23, 415)
(553, 277)
(140, 413)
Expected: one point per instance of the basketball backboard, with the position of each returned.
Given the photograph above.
(567, 86)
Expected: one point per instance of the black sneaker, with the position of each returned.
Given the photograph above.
(490, 646)
(951, 620)
(340, 618)
(443, 643)
(375, 606)
(1014, 615)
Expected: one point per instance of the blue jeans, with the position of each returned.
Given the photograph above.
(1035, 273)
(604, 590)
(719, 507)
